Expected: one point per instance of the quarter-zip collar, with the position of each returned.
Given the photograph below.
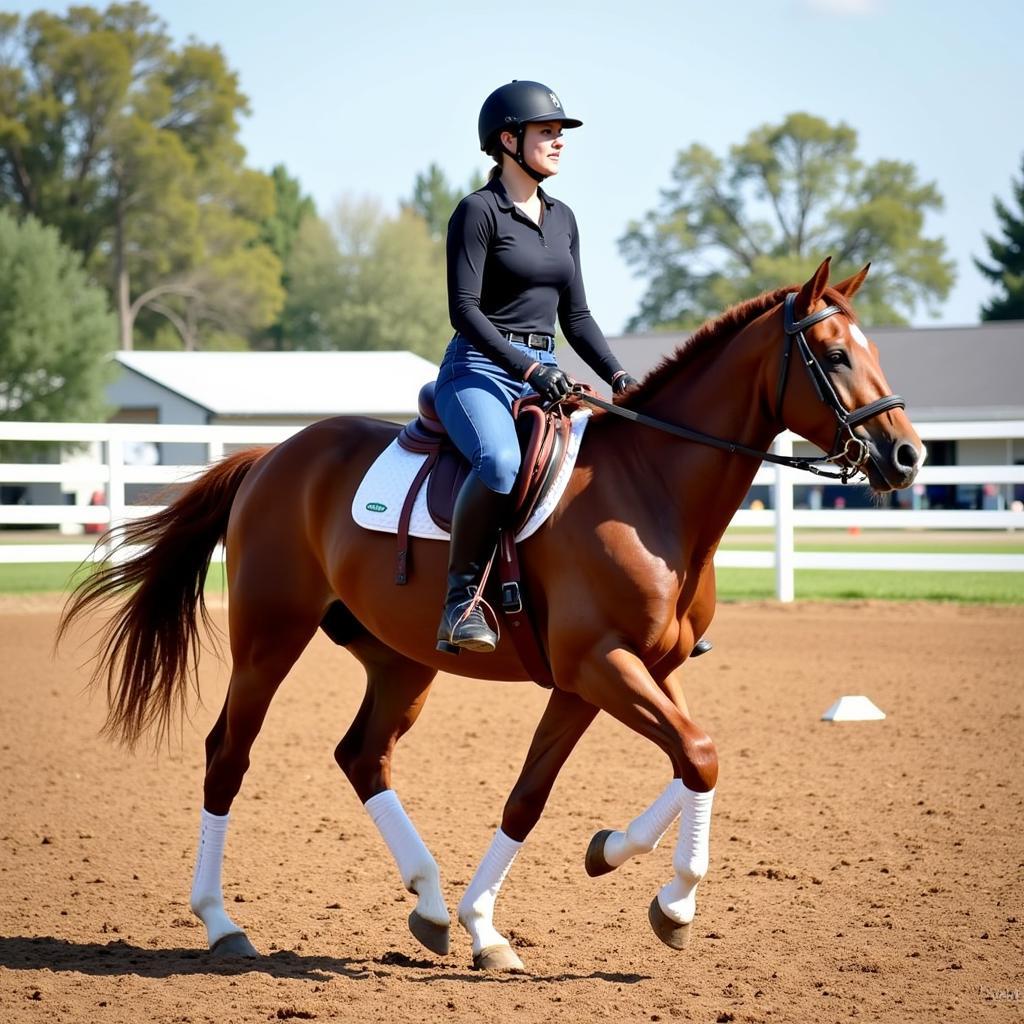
(497, 187)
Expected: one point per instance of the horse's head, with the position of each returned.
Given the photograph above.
(840, 399)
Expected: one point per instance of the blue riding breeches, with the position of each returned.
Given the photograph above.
(473, 398)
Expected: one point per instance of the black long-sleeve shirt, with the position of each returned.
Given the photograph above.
(506, 273)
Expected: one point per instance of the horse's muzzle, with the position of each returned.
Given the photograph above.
(893, 463)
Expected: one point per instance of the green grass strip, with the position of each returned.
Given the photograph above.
(867, 544)
(825, 584)
(56, 578)
(733, 584)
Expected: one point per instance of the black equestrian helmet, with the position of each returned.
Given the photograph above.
(516, 104)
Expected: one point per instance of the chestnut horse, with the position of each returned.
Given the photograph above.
(620, 579)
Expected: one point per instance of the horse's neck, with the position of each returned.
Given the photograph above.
(722, 393)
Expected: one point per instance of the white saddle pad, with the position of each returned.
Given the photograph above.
(379, 499)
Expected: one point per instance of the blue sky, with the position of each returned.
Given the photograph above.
(356, 97)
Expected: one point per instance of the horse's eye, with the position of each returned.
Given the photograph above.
(837, 357)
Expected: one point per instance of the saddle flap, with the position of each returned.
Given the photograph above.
(444, 483)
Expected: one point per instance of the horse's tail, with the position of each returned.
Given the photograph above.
(150, 647)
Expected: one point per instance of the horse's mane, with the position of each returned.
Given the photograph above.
(718, 331)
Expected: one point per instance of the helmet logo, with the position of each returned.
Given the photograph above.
(554, 99)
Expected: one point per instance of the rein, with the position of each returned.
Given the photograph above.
(854, 449)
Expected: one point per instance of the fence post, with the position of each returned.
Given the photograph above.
(783, 500)
(116, 505)
(214, 452)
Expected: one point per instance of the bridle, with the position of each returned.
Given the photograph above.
(849, 452)
(854, 452)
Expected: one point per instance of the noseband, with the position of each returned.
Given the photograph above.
(849, 452)
(847, 448)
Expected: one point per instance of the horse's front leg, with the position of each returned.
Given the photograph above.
(618, 683)
(611, 848)
(564, 721)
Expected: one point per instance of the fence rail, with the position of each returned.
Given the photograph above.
(111, 475)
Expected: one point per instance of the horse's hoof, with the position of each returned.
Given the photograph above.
(499, 957)
(702, 646)
(670, 932)
(433, 936)
(595, 862)
(234, 944)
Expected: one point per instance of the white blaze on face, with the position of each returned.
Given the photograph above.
(858, 336)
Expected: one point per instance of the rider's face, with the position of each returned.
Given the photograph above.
(542, 145)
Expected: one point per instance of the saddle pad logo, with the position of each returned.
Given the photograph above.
(376, 506)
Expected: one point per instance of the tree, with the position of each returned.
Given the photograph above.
(435, 200)
(366, 280)
(393, 282)
(112, 135)
(314, 289)
(56, 329)
(766, 216)
(1007, 267)
(291, 208)
(230, 286)
(280, 231)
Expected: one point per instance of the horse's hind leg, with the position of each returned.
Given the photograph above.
(396, 690)
(266, 640)
(564, 721)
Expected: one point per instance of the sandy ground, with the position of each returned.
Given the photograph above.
(868, 871)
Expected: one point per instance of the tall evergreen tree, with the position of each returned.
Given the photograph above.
(1006, 269)
(280, 231)
(290, 210)
(434, 199)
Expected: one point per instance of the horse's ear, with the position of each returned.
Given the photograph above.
(851, 285)
(813, 289)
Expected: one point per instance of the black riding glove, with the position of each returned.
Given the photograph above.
(550, 382)
(623, 383)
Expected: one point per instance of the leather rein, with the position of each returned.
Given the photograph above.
(846, 446)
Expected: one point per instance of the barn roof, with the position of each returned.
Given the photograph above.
(945, 373)
(307, 384)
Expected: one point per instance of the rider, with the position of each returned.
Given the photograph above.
(513, 263)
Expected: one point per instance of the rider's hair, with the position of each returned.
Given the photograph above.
(496, 155)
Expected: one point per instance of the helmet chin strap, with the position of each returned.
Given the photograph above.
(518, 155)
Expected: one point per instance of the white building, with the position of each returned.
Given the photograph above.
(265, 387)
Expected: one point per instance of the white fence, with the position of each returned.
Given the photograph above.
(111, 475)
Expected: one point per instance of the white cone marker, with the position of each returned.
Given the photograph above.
(853, 709)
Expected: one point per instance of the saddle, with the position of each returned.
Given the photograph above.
(543, 437)
(542, 440)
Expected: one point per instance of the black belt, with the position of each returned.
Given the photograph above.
(540, 341)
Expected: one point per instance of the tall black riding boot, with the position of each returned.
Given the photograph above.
(476, 521)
